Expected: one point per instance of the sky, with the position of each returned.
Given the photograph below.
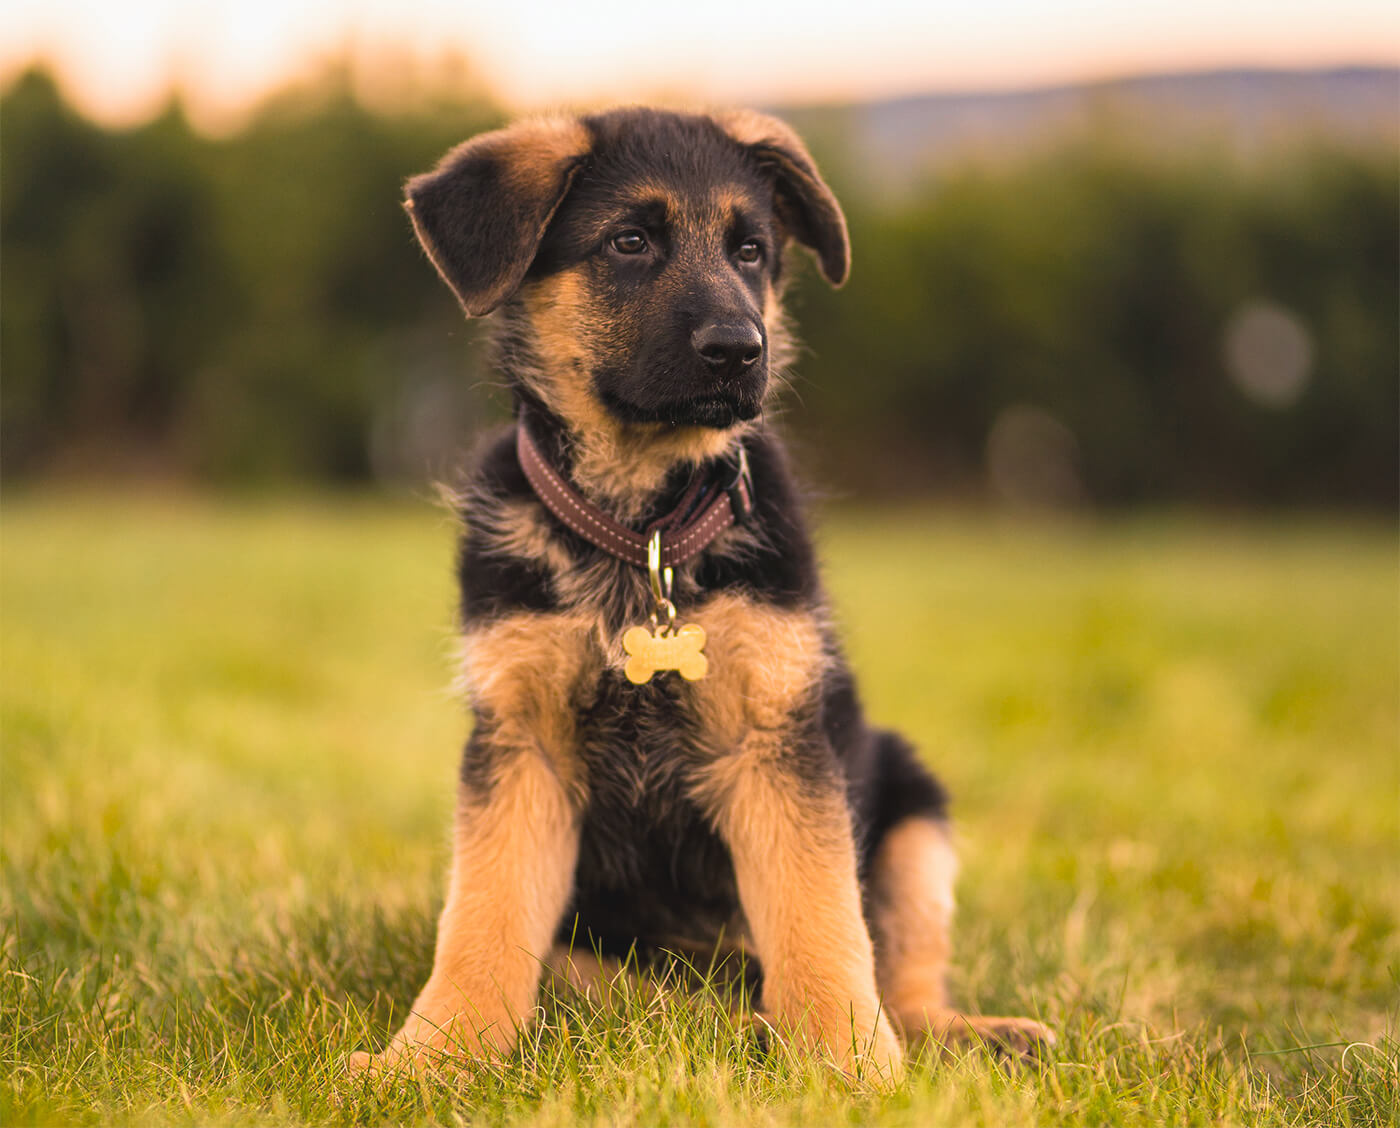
(120, 58)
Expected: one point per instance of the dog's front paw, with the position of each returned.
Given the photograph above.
(397, 1060)
(875, 1057)
(391, 1061)
(359, 1061)
(422, 1047)
(883, 1059)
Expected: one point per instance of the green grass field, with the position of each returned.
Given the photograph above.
(228, 763)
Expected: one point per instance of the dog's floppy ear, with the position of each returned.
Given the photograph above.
(482, 212)
(805, 204)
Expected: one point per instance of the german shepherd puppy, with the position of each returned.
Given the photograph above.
(634, 260)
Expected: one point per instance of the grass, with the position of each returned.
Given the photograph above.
(228, 757)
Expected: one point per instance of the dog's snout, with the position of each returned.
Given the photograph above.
(728, 345)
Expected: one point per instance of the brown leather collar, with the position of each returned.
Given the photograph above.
(688, 529)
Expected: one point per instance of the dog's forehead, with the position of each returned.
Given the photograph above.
(685, 162)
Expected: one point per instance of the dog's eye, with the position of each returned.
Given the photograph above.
(629, 243)
(751, 250)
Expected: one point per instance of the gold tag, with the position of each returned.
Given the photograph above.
(653, 650)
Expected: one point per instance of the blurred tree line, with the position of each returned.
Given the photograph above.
(1097, 322)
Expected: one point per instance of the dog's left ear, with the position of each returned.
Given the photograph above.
(805, 204)
(482, 212)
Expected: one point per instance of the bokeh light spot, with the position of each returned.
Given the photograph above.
(1268, 353)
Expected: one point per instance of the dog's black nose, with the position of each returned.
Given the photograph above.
(728, 345)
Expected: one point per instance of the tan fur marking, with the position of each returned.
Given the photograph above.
(911, 918)
(523, 672)
(911, 921)
(749, 127)
(782, 345)
(764, 662)
(564, 321)
(629, 461)
(643, 193)
(512, 870)
(524, 529)
(725, 200)
(542, 142)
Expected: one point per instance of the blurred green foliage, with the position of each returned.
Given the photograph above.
(1098, 282)
(254, 307)
(226, 309)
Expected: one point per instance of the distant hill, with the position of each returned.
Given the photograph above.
(1243, 108)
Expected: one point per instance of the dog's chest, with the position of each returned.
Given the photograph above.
(642, 747)
(637, 743)
(650, 865)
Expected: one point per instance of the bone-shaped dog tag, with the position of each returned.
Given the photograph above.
(677, 650)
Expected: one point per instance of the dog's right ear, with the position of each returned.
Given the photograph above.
(482, 212)
(804, 201)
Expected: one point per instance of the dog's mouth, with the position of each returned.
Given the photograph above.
(717, 412)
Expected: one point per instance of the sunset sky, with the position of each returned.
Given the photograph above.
(119, 59)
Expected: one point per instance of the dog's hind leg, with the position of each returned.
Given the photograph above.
(911, 916)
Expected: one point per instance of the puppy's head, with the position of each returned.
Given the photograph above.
(637, 255)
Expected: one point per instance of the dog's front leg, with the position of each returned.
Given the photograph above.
(512, 870)
(789, 833)
(515, 847)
